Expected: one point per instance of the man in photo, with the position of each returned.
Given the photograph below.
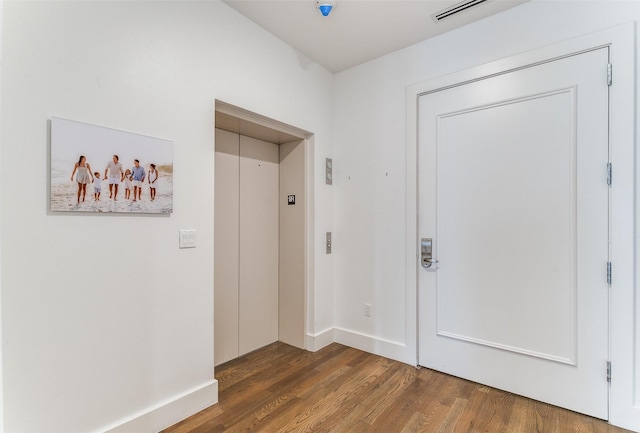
(138, 178)
(116, 175)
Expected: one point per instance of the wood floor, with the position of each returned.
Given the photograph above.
(339, 389)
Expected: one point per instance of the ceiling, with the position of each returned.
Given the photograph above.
(357, 31)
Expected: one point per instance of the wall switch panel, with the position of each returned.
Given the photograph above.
(328, 242)
(367, 310)
(329, 171)
(187, 239)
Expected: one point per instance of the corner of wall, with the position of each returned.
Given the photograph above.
(322, 339)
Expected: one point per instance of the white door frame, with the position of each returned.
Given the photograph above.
(624, 352)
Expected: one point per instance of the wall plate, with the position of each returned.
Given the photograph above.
(329, 171)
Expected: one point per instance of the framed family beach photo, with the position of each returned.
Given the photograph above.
(98, 169)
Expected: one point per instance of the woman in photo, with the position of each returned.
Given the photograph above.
(84, 174)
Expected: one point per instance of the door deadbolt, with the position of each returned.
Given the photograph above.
(426, 253)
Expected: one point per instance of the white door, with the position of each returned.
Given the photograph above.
(513, 191)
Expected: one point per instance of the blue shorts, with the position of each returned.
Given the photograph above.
(96, 189)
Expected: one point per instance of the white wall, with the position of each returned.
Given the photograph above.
(370, 128)
(103, 317)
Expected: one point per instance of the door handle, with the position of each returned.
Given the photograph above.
(426, 253)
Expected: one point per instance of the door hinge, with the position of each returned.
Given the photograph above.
(609, 371)
(609, 173)
(609, 273)
(609, 74)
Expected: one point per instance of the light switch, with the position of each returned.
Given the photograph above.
(187, 239)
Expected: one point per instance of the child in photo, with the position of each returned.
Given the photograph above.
(153, 177)
(127, 184)
(97, 184)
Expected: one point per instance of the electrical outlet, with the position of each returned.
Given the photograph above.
(367, 310)
(328, 244)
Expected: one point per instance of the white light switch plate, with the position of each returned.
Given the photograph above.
(187, 239)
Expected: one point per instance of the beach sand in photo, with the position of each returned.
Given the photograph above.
(64, 196)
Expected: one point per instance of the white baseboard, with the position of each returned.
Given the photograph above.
(378, 346)
(170, 412)
(322, 339)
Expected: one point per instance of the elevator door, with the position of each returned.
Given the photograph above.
(246, 245)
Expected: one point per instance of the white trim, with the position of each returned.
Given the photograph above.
(368, 343)
(309, 236)
(322, 339)
(169, 412)
(258, 119)
(357, 340)
(624, 408)
(1, 357)
(624, 345)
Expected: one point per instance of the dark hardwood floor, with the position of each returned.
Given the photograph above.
(339, 389)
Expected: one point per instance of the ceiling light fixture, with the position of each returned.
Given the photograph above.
(325, 6)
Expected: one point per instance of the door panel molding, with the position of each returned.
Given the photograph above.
(514, 349)
(530, 113)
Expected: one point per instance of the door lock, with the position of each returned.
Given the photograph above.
(426, 256)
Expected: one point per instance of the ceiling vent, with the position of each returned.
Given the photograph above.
(455, 9)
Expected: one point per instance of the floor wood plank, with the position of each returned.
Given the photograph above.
(339, 389)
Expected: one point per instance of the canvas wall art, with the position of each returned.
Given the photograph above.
(98, 169)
